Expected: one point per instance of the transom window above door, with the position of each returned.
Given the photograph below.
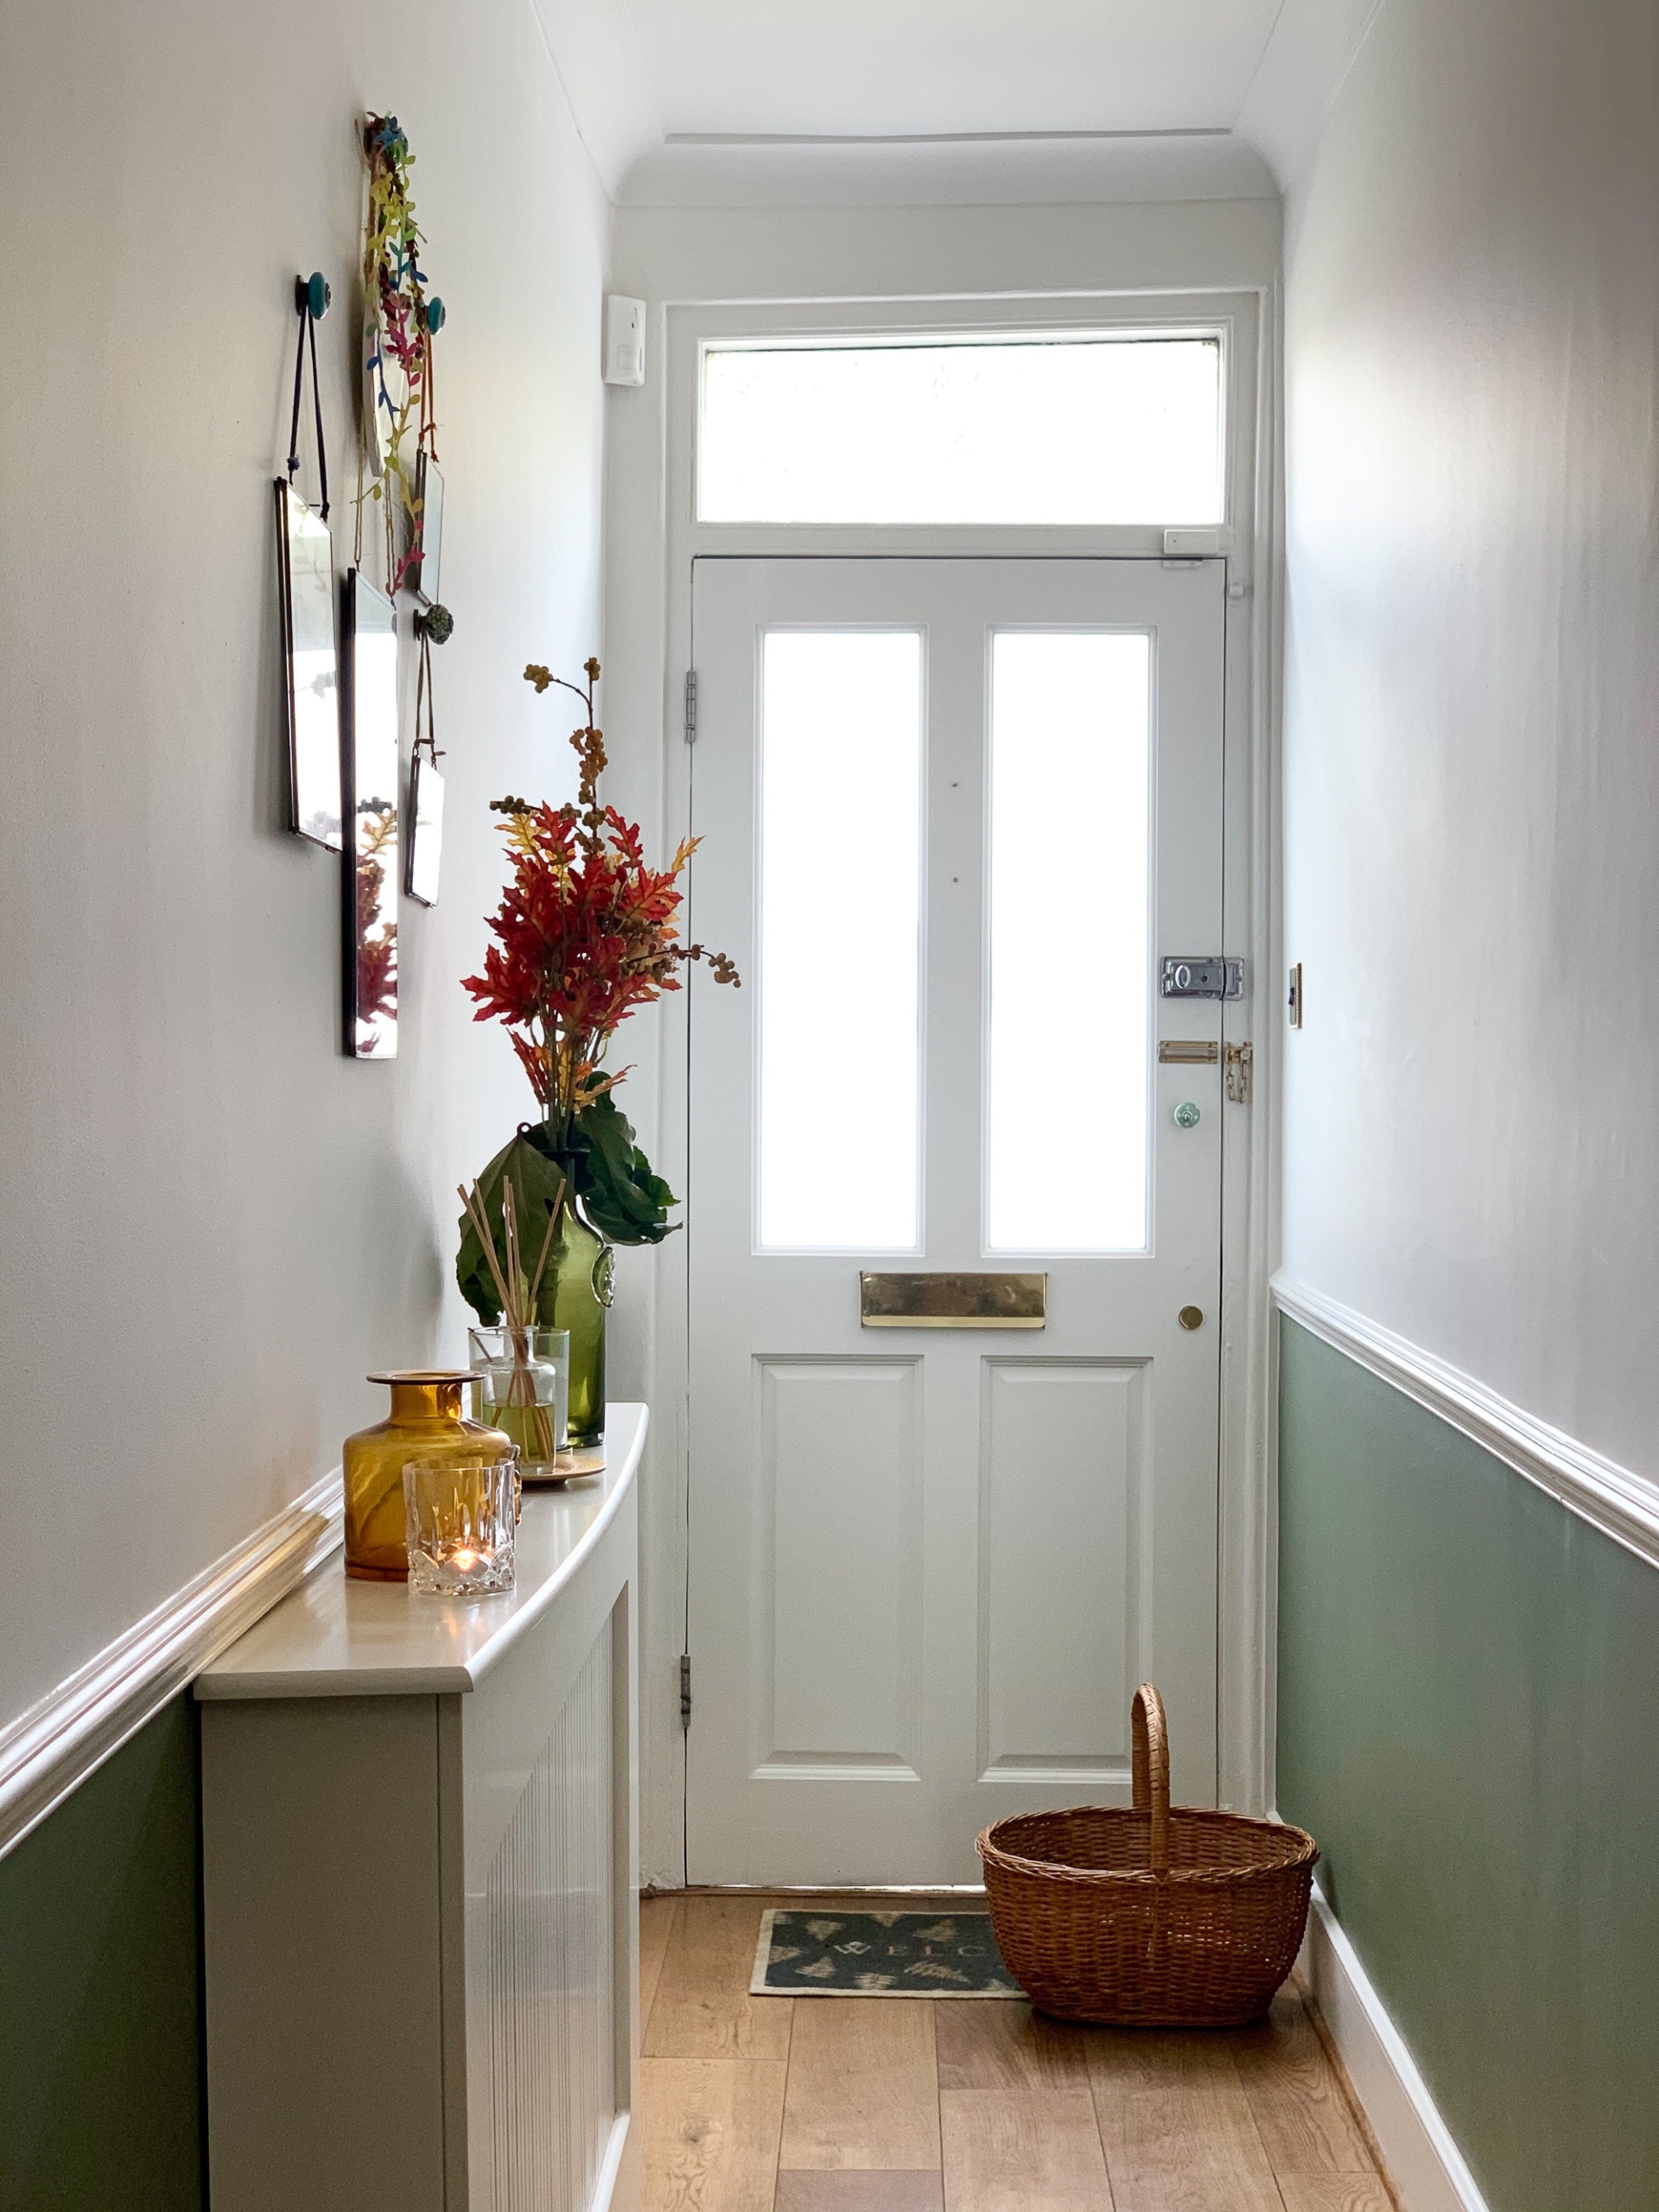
(1088, 428)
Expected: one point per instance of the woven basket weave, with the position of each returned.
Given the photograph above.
(1149, 1918)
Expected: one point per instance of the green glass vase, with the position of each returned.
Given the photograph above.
(576, 1295)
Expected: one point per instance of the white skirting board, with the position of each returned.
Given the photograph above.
(1425, 2164)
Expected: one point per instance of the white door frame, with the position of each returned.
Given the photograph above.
(1246, 319)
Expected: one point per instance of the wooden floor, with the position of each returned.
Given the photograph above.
(838, 2104)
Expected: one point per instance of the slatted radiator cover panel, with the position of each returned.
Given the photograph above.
(549, 1922)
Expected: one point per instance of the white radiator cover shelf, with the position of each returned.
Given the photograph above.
(419, 1826)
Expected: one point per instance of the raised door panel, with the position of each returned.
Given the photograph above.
(1062, 1525)
(838, 1536)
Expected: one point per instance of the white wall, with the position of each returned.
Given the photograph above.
(1472, 748)
(971, 247)
(210, 1224)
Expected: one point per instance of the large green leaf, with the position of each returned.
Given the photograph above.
(622, 1195)
(537, 1186)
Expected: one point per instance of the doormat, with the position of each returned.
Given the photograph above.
(878, 1954)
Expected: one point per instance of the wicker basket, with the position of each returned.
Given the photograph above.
(1149, 1918)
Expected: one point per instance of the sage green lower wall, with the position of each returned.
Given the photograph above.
(100, 2007)
(1469, 1724)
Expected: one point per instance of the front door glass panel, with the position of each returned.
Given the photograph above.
(1067, 1065)
(841, 762)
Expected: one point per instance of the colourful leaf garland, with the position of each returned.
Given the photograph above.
(403, 322)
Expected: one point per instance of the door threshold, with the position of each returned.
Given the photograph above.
(955, 1889)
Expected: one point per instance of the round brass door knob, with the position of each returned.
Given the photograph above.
(1191, 1317)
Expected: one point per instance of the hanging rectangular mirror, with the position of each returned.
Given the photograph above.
(425, 829)
(305, 584)
(370, 775)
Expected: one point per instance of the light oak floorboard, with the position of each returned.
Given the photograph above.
(1017, 2151)
(881, 2104)
(863, 2084)
(1303, 2118)
(656, 1918)
(1334, 2193)
(702, 2007)
(1177, 2126)
(996, 2045)
(852, 2190)
(711, 2132)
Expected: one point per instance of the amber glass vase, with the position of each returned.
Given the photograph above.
(426, 1422)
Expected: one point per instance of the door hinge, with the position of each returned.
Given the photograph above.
(685, 1689)
(1238, 1062)
(690, 706)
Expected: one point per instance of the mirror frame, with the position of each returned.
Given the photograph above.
(292, 515)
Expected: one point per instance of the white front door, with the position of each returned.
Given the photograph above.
(954, 814)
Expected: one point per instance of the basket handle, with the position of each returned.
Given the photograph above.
(1151, 1771)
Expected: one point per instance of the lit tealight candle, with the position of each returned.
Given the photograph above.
(458, 1521)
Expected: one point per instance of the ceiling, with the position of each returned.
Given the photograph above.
(927, 67)
(1069, 83)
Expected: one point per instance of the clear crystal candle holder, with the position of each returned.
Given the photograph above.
(521, 1385)
(460, 1517)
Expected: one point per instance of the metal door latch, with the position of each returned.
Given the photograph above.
(1237, 1062)
(1191, 976)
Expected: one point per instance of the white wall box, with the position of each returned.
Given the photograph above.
(422, 1922)
(625, 340)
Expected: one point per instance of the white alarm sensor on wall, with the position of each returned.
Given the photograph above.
(625, 340)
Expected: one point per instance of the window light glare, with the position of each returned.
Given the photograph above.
(840, 848)
(1076, 430)
(1070, 949)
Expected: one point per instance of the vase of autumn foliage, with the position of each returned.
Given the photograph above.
(585, 935)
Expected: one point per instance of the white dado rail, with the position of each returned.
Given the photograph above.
(50, 1751)
(1621, 1503)
(421, 1923)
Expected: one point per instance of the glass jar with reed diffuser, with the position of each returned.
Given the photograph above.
(427, 1421)
(521, 1380)
(524, 1363)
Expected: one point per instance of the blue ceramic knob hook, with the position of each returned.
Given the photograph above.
(312, 295)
